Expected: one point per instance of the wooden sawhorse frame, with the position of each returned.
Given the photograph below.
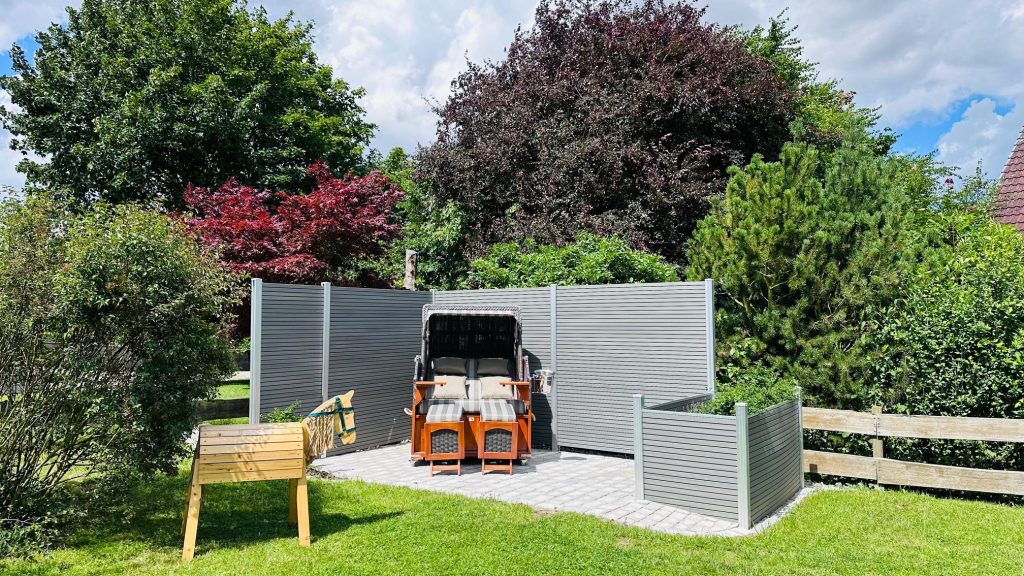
(248, 453)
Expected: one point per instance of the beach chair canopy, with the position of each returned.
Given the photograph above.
(472, 332)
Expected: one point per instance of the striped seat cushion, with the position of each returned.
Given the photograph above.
(495, 410)
(444, 413)
(468, 406)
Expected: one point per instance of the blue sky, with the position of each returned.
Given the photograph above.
(945, 74)
(922, 135)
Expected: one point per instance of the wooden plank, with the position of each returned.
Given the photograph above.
(950, 477)
(952, 428)
(263, 456)
(251, 448)
(934, 427)
(250, 476)
(297, 465)
(245, 440)
(838, 420)
(839, 464)
(215, 432)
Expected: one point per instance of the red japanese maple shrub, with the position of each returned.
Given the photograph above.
(296, 238)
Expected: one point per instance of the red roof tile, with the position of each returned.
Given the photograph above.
(1009, 202)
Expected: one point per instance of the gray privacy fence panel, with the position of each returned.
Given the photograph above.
(610, 342)
(741, 468)
(614, 341)
(776, 450)
(534, 307)
(690, 461)
(374, 337)
(289, 347)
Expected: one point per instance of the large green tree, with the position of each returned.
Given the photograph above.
(823, 113)
(613, 117)
(805, 252)
(135, 99)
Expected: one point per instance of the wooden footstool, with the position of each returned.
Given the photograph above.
(444, 432)
(499, 436)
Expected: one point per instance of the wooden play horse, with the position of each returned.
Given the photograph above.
(252, 452)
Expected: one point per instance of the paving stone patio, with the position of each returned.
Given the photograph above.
(564, 481)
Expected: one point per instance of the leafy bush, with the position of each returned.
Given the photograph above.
(760, 387)
(323, 235)
(953, 344)
(111, 331)
(804, 253)
(280, 415)
(612, 117)
(589, 260)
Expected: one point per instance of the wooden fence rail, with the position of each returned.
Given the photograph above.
(886, 471)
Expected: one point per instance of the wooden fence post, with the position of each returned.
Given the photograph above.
(877, 448)
(409, 283)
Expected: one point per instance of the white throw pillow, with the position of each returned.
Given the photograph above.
(492, 387)
(454, 387)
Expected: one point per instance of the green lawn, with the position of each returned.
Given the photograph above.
(367, 529)
(233, 391)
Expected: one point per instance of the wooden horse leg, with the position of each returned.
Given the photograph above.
(192, 522)
(293, 485)
(302, 504)
(188, 493)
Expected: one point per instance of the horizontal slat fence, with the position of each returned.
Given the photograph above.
(775, 447)
(896, 472)
(740, 468)
(689, 461)
(615, 341)
(374, 337)
(605, 343)
(909, 426)
(289, 345)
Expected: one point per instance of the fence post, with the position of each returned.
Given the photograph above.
(409, 282)
(800, 431)
(553, 397)
(877, 448)
(638, 446)
(709, 312)
(325, 341)
(743, 465)
(255, 330)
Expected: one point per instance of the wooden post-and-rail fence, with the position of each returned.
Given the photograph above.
(882, 470)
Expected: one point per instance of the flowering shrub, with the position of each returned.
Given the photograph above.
(286, 237)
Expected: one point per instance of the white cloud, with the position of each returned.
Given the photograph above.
(981, 135)
(23, 17)
(406, 53)
(916, 60)
(911, 58)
